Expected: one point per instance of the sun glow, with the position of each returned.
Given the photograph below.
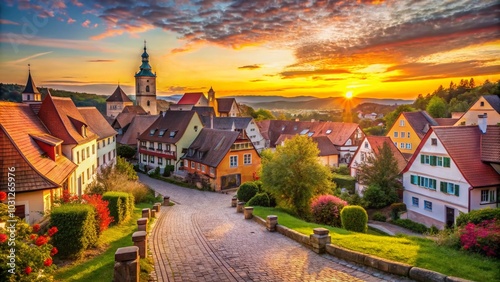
(348, 94)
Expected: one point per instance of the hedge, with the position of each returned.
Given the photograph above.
(121, 205)
(247, 190)
(477, 216)
(354, 218)
(411, 225)
(77, 229)
(344, 181)
(260, 199)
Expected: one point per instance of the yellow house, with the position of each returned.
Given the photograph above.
(487, 104)
(409, 129)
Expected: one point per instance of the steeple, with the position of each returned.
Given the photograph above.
(145, 85)
(30, 93)
(145, 68)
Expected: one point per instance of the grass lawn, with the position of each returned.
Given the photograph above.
(100, 267)
(415, 251)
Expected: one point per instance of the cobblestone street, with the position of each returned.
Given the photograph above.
(202, 238)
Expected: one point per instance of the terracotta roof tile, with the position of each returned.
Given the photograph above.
(325, 146)
(123, 119)
(97, 122)
(490, 144)
(377, 142)
(190, 98)
(134, 109)
(137, 126)
(224, 105)
(20, 128)
(173, 123)
(213, 144)
(420, 121)
(446, 121)
(118, 96)
(63, 120)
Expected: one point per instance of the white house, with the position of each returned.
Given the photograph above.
(452, 171)
(487, 104)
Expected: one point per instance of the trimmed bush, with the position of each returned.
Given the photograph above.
(411, 225)
(121, 205)
(260, 199)
(354, 218)
(168, 170)
(378, 216)
(77, 229)
(396, 209)
(478, 216)
(247, 190)
(325, 209)
(344, 181)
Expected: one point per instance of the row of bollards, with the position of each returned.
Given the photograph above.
(126, 266)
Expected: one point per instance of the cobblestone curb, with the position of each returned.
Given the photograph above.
(388, 266)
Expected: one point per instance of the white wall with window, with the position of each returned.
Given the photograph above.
(106, 152)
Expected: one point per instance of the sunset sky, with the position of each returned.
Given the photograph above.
(379, 49)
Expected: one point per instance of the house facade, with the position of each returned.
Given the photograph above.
(117, 102)
(487, 104)
(164, 141)
(227, 107)
(449, 175)
(222, 158)
(244, 125)
(409, 129)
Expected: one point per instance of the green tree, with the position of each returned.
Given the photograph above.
(293, 174)
(263, 114)
(125, 151)
(381, 171)
(125, 167)
(437, 107)
(391, 117)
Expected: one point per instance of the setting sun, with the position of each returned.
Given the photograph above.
(348, 95)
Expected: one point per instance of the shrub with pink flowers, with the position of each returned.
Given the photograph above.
(483, 238)
(325, 209)
(26, 251)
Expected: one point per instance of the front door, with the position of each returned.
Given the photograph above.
(450, 217)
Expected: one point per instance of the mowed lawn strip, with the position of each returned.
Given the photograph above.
(101, 267)
(415, 251)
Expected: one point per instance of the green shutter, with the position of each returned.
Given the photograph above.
(434, 184)
(413, 179)
(433, 160)
(422, 159)
(457, 189)
(446, 162)
(443, 186)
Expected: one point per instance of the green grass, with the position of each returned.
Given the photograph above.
(100, 267)
(415, 251)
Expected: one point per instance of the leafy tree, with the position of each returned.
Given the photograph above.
(126, 168)
(381, 171)
(125, 151)
(294, 175)
(391, 117)
(263, 114)
(437, 107)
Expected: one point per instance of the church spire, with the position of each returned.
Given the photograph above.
(30, 92)
(145, 68)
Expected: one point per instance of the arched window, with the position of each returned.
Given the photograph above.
(148, 102)
(147, 88)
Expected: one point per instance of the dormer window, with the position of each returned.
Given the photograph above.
(304, 131)
(328, 131)
(190, 152)
(310, 133)
(482, 102)
(172, 133)
(152, 132)
(283, 128)
(200, 154)
(29, 97)
(162, 132)
(84, 131)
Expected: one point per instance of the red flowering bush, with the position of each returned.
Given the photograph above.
(325, 209)
(36, 228)
(3, 238)
(103, 217)
(483, 238)
(3, 196)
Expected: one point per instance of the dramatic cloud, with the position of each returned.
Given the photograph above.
(249, 67)
(307, 73)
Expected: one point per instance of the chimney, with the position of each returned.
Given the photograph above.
(164, 114)
(211, 121)
(482, 122)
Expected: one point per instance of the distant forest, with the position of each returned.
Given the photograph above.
(12, 92)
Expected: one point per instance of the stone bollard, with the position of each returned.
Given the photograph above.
(319, 240)
(248, 212)
(146, 213)
(240, 206)
(140, 240)
(153, 214)
(127, 267)
(157, 207)
(234, 201)
(166, 201)
(142, 224)
(271, 222)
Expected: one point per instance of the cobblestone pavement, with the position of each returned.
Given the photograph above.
(202, 238)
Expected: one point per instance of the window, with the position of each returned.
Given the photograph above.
(103, 159)
(152, 159)
(109, 140)
(366, 144)
(247, 159)
(143, 143)
(192, 164)
(77, 157)
(195, 128)
(450, 188)
(212, 170)
(403, 134)
(88, 173)
(414, 201)
(162, 132)
(186, 163)
(103, 143)
(428, 205)
(402, 145)
(114, 153)
(328, 131)
(203, 168)
(396, 144)
(159, 146)
(97, 161)
(29, 97)
(425, 182)
(482, 103)
(435, 160)
(396, 134)
(172, 133)
(83, 177)
(148, 103)
(113, 139)
(93, 149)
(233, 161)
(198, 166)
(434, 141)
(147, 89)
(402, 122)
(98, 146)
(144, 158)
(408, 146)
(488, 196)
(83, 154)
(152, 132)
(88, 152)
(160, 161)
(408, 134)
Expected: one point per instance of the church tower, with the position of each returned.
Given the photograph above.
(145, 85)
(31, 95)
(212, 102)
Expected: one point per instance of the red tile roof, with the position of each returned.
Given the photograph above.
(19, 130)
(134, 109)
(463, 144)
(214, 144)
(224, 105)
(97, 122)
(118, 96)
(325, 146)
(446, 121)
(171, 122)
(490, 144)
(123, 119)
(190, 98)
(64, 121)
(420, 122)
(137, 126)
(377, 142)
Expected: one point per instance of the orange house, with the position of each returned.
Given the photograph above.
(223, 159)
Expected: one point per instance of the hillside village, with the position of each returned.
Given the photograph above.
(447, 165)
